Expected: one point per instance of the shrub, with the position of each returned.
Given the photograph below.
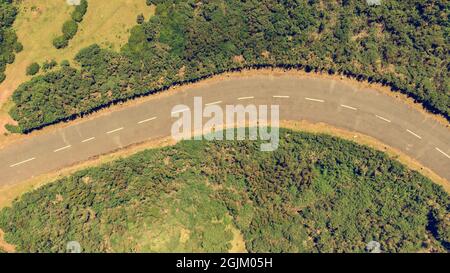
(33, 69)
(80, 11)
(60, 42)
(140, 19)
(13, 129)
(64, 63)
(18, 48)
(47, 65)
(69, 29)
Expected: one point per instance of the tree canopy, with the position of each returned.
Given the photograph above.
(8, 39)
(315, 193)
(402, 44)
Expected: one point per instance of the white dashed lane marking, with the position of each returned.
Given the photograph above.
(383, 118)
(62, 148)
(219, 102)
(316, 100)
(442, 152)
(115, 130)
(22, 162)
(246, 98)
(349, 107)
(87, 140)
(213, 103)
(180, 111)
(146, 120)
(414, 134)
(281, 97)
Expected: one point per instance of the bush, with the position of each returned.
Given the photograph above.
(69, 29)
(80, 11)
(13, 129)
(60, 42)
(65, 63)
(47, 65)
(33, 69)
(18, 48)
(140, 19)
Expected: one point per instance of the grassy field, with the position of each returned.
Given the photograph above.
(106, 23)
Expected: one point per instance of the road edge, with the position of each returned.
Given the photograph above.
(10, 192)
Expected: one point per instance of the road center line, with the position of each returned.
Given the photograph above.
(63, 148)
(281, 97)
(442, 152)
(349, 107)
(22, 162)
(87, 140)
(212, 103)
(146, 120)
(246, 98)
(115, 130)
(414, 134)
(316, 100)
(382, 118)
(180, 111)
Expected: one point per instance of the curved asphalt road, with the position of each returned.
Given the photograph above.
(316, 100)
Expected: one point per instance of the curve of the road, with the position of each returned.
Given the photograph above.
(317, 100)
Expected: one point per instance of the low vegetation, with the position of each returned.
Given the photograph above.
(403, 44)
(315, 193)
(8, 39)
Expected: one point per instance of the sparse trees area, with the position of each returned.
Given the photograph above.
(8, 39)
(401, 44)
(315, 193)
(70, 27)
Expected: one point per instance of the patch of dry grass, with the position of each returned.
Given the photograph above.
(238, 242)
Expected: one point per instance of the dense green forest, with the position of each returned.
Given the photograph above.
(403, 44)
(8, 39)
(316, 193)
